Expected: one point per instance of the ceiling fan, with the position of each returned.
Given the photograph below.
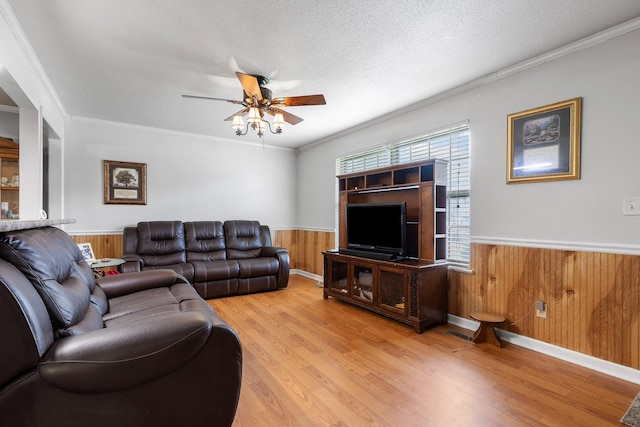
(257, 100)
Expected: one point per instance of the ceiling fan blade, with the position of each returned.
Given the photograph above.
(250, 85)
(233, 101)
(288, 117)
(241, 113)
(295, 101)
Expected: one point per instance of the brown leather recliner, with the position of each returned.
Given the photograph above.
(136, 349)
(219, 259)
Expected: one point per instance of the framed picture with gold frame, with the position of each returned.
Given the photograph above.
(543, 144)
(125, 183)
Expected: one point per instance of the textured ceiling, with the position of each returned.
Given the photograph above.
(130, 60)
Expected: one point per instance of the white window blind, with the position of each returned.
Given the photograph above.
(451, 144)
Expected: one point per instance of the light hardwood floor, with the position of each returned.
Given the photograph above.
(309, 362)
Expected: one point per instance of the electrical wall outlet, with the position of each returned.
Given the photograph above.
(541, 309)
(631, 206)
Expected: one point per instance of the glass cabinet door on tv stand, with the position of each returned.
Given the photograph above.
(393, 290)
(362, 282)
(337, 277)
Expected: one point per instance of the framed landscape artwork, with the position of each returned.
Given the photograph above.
(543, 144)
(125, 183)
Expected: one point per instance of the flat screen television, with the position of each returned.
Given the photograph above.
(377, 227)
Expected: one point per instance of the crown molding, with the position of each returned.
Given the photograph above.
(23, 42)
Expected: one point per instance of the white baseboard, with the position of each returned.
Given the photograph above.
(307, 275)
(590, 362)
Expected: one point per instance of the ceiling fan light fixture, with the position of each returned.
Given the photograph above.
(257, 101)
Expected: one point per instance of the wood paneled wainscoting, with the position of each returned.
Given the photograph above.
(103, 245)
(593, 299)
(305, 247)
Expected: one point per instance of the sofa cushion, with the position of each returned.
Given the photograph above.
(204, 241)
(215, 270)
(54, 265)
(255, 267)
(151, 302)
(161, 242)
(243, 239)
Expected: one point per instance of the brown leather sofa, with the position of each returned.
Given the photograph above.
(219, 259)
(140, 349)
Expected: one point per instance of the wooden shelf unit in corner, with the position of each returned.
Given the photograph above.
(422, 185)
(10, 175)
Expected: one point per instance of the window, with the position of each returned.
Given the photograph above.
(451, 144)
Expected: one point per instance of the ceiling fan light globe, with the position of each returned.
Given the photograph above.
(278, 122)
(254, 115)
(237, 123)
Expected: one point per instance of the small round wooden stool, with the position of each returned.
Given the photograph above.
(486, 331)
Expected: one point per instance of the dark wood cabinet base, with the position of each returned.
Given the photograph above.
(410, 291)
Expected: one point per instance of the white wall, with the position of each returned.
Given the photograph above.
(588, 210)
(9, 125)
(189, 177)
(55, 184)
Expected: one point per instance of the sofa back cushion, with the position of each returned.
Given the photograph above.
(204, 241)
(130, 240)
(161, 242)
(54, 265)
(243, 239)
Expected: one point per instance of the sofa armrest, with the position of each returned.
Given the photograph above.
(282, 255)
(271, 251)
(132, 263)
(123, 284)
(125, 356)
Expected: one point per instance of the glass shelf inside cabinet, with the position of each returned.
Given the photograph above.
(338, 279)
(363, 283)
(392, 292)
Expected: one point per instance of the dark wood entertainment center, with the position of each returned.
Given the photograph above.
(414, 290)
